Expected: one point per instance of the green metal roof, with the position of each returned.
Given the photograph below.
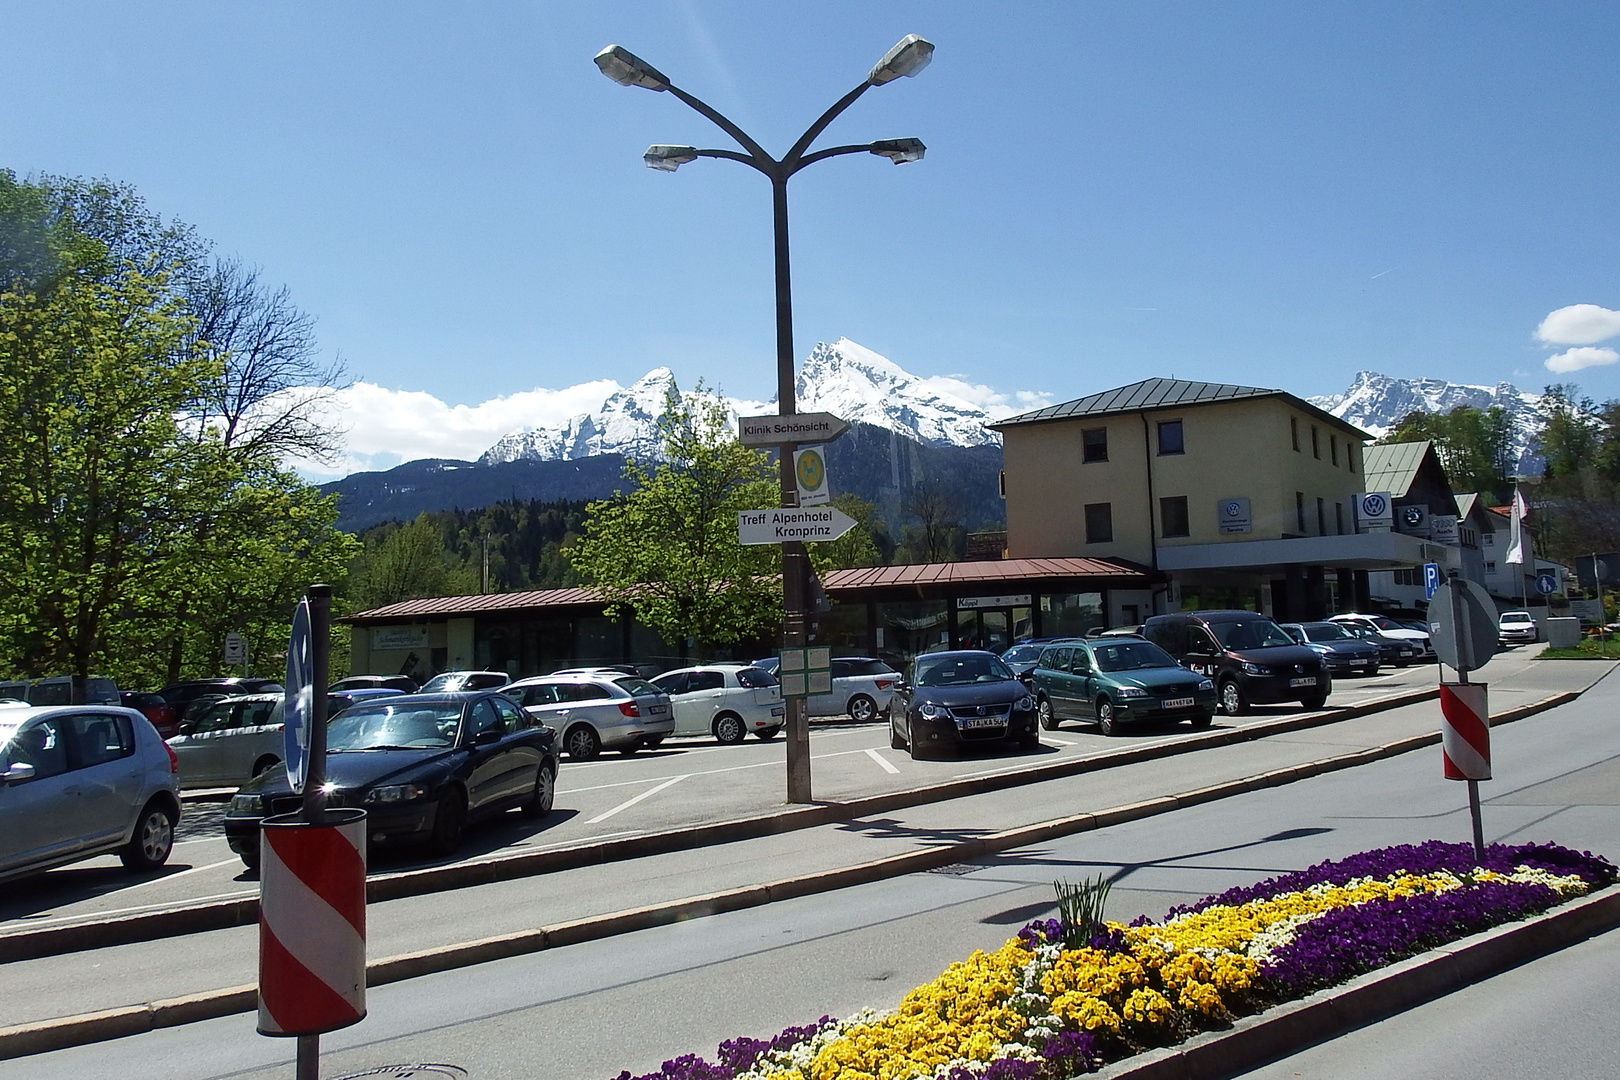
(1162, 394)
(1392, 467)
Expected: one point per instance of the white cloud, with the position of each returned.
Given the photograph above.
(387, 427)
(999, 405)
(1576, 359)
(1579, 324)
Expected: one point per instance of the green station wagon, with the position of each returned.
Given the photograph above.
(1117, 680)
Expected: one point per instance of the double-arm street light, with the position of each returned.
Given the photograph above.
(910, 56)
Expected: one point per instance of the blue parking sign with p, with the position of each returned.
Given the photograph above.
(1431, 580)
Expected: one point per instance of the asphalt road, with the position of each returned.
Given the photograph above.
(683, 783)
(629, 1002)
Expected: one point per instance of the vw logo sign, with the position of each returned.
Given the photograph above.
(1374, 506)
(1233, 509)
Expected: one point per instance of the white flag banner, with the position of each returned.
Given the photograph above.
(1521, 510)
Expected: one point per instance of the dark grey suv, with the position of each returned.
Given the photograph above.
(1252, 660)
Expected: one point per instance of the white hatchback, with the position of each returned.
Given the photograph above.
(724, 700)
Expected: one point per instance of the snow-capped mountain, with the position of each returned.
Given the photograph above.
(1376, 403)
(842, 378)
(857, 384)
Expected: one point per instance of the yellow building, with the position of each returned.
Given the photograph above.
(1246, 497)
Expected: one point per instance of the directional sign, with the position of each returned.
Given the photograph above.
(775, 430)
(1431, 579)
(810, 524)
(1462, 624)
(235, 648)
(300, 697)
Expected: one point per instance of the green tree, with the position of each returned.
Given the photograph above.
(1475, 445)
(667, 549)
(409, 562)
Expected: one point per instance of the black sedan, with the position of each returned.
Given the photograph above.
(959, 699)
(1341, 650)
(421, 765)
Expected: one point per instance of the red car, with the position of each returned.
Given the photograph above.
(164, 717)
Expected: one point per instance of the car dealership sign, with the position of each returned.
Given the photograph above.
(1375, 510)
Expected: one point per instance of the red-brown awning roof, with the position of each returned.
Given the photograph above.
(986, 572)
(472, 605)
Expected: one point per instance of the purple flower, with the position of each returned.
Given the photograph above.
(1072, 1052)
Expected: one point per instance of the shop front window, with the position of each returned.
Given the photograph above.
(1072, 614)
(910, 628)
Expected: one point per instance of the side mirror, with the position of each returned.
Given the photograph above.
(18, 772)
(488, 737)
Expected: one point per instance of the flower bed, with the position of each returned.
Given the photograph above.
(1046, 1006)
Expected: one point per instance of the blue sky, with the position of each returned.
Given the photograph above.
(1273, 194)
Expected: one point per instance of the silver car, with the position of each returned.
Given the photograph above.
(862, 688)
(77, 781)
(724, 700)
(230, 741)
(597, 712)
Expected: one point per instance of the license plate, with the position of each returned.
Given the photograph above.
(1309, 680)
(981, 721)
(780, 710)
(1178, 703)
(657, 710)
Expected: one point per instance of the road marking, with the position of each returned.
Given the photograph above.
(628, 803)
(884, 762)
(1049, 737)
(181, 874)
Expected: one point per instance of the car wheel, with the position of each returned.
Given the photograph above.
(1106, 725)
(1203, 720)
(449, 820)
(545, 793)
(1049, 719)
(1371, 670)
(862, 709)
(1030, 740)
(250, 861)
(269, 761)
(149, 847)
(1314, 702)
(767, 733)
(582, 742)
(1231, 697)
(895, 741)
(1402, 661)
(630, 749)
(728, 729)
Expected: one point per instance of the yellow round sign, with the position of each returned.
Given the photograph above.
(812, 470)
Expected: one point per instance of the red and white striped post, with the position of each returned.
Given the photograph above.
(1465, 744)
(312, 892)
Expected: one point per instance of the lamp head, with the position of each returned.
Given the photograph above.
(627, 69)
(669, 158)
(906, 58)
(899, 151)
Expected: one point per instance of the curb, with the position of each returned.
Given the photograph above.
(201, 916)
(1287, 1029)
(62, 1032)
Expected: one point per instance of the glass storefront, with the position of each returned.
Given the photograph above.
(1072, 614)
(909, 628)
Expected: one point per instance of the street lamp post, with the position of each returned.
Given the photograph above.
(908, 57)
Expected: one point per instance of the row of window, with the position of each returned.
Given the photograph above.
(1316, 445)
(1321, 516)
(1094, 441)
(1175, 522)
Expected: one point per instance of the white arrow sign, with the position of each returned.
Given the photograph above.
(777, 430)
(810, 524)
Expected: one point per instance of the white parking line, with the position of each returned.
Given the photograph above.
(181, 874)
(1049, 737)
(883, 761)
(628, 803)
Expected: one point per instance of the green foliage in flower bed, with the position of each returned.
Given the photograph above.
(1066, 996)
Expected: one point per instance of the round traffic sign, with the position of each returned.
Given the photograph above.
(1546, 584)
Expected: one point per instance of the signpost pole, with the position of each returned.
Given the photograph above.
(1465, 648)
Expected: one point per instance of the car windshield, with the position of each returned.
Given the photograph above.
(1250, 634)
(959, 670)
(1131, 656)
(1327, 631)
(440, 683)
(636, 686)
(1023, 654)
(1516, 616)
(755, 678)
(392, 727)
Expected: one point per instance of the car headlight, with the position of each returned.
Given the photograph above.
(1317, 647)
(1131, 691)
(1025, 703)
(1254, 669)
(1206, 685)
(390, 793)
(930, 711)
(246, 804)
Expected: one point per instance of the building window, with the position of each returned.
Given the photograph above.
(1170, 437)
(1321, 517)
(1299, 511)
(1316, 443)
(1490, 566)
(1469, 537)
(1409, 577)
(1338, 517)
(1173, 516)
(1293, 432)
(1094, 444)
(1350, 457)
(1099, 523)
(1487, 539)
(1333, 450)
